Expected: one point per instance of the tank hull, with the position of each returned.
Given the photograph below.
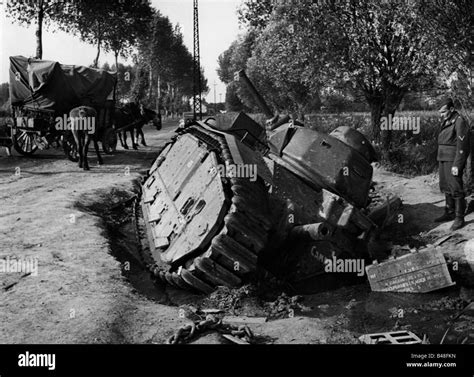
(218, 208)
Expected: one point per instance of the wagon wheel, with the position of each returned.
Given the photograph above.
(109, 141)
(70, 148)
(24, 142)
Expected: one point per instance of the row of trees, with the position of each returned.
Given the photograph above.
(161, 74)
(366, 50)
(114, 26)
(164, 67)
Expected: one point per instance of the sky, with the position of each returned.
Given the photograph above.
(218, 26)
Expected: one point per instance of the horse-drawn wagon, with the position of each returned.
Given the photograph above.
(42, 95)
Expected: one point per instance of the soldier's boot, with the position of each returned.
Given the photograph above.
(460, 209)
(448, 214)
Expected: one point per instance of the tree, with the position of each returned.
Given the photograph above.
(380, 46)
(234, 59)
(89, 20)
(126, 23)
(42, 12)
(114, 24)
(165, 67)
(280, 69)
(451, 23)
(125, 77)
(255, 14)
(4, 93)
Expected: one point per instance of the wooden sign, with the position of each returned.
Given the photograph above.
(416, 272)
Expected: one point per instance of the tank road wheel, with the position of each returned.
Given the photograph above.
(109, 141)
(227, 221)
(70, 148)
(24, 142)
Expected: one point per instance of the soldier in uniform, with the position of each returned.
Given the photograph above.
(453, 150)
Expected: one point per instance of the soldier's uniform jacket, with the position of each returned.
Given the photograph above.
(453, 141)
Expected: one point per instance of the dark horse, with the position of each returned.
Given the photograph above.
(84, 129)
(132, 117)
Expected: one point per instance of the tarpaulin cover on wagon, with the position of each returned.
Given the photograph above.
(47, 85)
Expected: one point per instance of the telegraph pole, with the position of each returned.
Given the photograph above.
(215, 101)
(197, 108)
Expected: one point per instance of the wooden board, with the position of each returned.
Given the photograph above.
(418, 272)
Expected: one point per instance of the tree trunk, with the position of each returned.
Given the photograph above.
(95, 64)
(150, 84)
(376, 107)
(158, 93)
(116, 54)
(39, 30)
(391, 103)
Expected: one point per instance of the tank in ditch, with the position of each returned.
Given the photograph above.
(225, 201)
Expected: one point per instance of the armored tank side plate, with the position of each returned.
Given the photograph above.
(185, 184)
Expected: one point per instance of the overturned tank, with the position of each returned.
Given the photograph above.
(224, 201)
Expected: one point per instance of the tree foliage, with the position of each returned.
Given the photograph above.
(4, 93)
(256, 14)
(373, 49)
(40, 12)
(164, 67)
(451, 22)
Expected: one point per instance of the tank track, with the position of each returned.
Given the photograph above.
(232, 256)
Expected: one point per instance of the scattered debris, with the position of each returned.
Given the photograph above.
(351, 304)
(416, 272)
(397, 337)
(241, 334)
(462, 323)
(285, 306)
(445, 303)
(228, 299)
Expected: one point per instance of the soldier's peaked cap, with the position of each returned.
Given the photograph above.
(446, 102)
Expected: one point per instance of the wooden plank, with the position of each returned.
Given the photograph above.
(244, 319)
(234, 339)
(420, 272)
(442, 240)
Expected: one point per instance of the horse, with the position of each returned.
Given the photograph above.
(148, 116)
(153, 116)
(128, 118)
(132, 117)
(83, 128)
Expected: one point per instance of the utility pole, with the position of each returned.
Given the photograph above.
(215, 101)
(197, 108)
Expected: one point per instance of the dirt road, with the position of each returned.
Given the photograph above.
(51, 210)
